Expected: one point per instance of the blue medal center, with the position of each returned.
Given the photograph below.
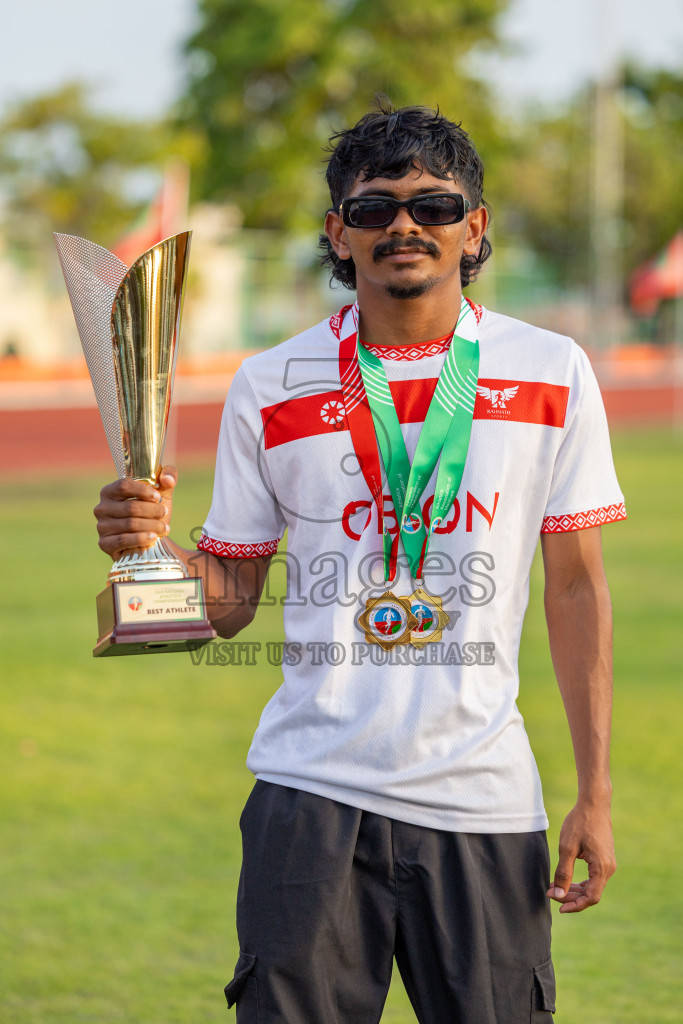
(425, 617)
(386, 620)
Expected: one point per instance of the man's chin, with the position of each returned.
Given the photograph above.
(410, 289)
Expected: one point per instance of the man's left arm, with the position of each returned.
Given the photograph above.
(579, 616)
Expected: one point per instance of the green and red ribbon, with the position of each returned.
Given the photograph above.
(444, 438)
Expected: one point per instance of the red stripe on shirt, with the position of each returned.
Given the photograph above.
(310, 415)
(532, 402)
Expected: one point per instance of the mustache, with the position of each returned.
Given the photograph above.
(397, 244)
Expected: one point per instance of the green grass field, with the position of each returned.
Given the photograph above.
(121, 780)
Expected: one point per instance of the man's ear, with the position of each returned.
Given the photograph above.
(477, 221)
(335, 229)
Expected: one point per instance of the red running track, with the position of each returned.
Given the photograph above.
(52, 440)
(56, 439)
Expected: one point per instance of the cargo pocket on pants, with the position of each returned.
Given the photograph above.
(243, 990)
(543, 992)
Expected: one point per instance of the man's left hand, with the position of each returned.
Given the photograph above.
(586, 835)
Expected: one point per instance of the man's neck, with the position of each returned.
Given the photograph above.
(388, 321)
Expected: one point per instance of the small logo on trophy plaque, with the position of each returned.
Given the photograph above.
(128, 321)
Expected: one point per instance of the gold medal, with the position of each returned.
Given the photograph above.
(388, 621)
(429, 615)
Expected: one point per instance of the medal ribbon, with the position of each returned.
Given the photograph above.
(361, 427)
(446, 432)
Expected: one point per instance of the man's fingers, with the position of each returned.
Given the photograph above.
(167, 481)
(586, 835)
(125, 489)
(117, 527)
(563, 877)
(561, 893)
(118, 544)
(582, 895)
(576, 904)
(168, 478)
(122, 490)
(132, 514)
(599, 874)
(126, 525)
(577, 896)
(133, 508)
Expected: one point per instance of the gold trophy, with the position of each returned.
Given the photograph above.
(128, 320)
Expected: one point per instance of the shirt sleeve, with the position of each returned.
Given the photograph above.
(245, 520)
(584, 491)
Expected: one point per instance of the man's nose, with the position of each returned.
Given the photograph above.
(403, 224)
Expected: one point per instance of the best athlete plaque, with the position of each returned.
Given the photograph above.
(128, 321)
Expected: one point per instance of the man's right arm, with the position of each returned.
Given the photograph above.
(132, 515)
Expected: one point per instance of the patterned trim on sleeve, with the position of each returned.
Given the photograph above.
(226, 549)
(583, 520)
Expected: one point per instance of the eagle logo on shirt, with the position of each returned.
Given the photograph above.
(497, 398)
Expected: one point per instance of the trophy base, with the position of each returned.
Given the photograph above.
(151, 617)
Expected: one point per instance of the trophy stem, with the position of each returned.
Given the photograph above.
(155, 563)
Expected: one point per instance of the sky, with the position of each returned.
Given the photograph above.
(129, 50)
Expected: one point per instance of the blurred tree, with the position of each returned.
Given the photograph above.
(653, 108)
(548, 173)
(64, 167)
(269, 82)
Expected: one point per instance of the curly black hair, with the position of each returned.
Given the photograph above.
(389, 143)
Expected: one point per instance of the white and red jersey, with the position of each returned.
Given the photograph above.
(430, 736)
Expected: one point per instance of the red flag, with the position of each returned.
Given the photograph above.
(165, 215)
(660, 278)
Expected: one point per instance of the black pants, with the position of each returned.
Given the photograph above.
(330, 894)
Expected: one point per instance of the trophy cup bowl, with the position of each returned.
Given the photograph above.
(128, 320)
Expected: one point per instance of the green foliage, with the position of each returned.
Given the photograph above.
(121, 781)
(542, 196)
(653, 198)
(65, 167)
(548, 173)
(271, 81)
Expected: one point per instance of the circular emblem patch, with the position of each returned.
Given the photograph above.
(425, 617)
(135, 604)
(388, 618)
(332, 412)
(411, 523)
(435, 524)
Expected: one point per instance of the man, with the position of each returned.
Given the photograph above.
(398, 810)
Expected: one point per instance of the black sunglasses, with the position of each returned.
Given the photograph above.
(426, 209)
